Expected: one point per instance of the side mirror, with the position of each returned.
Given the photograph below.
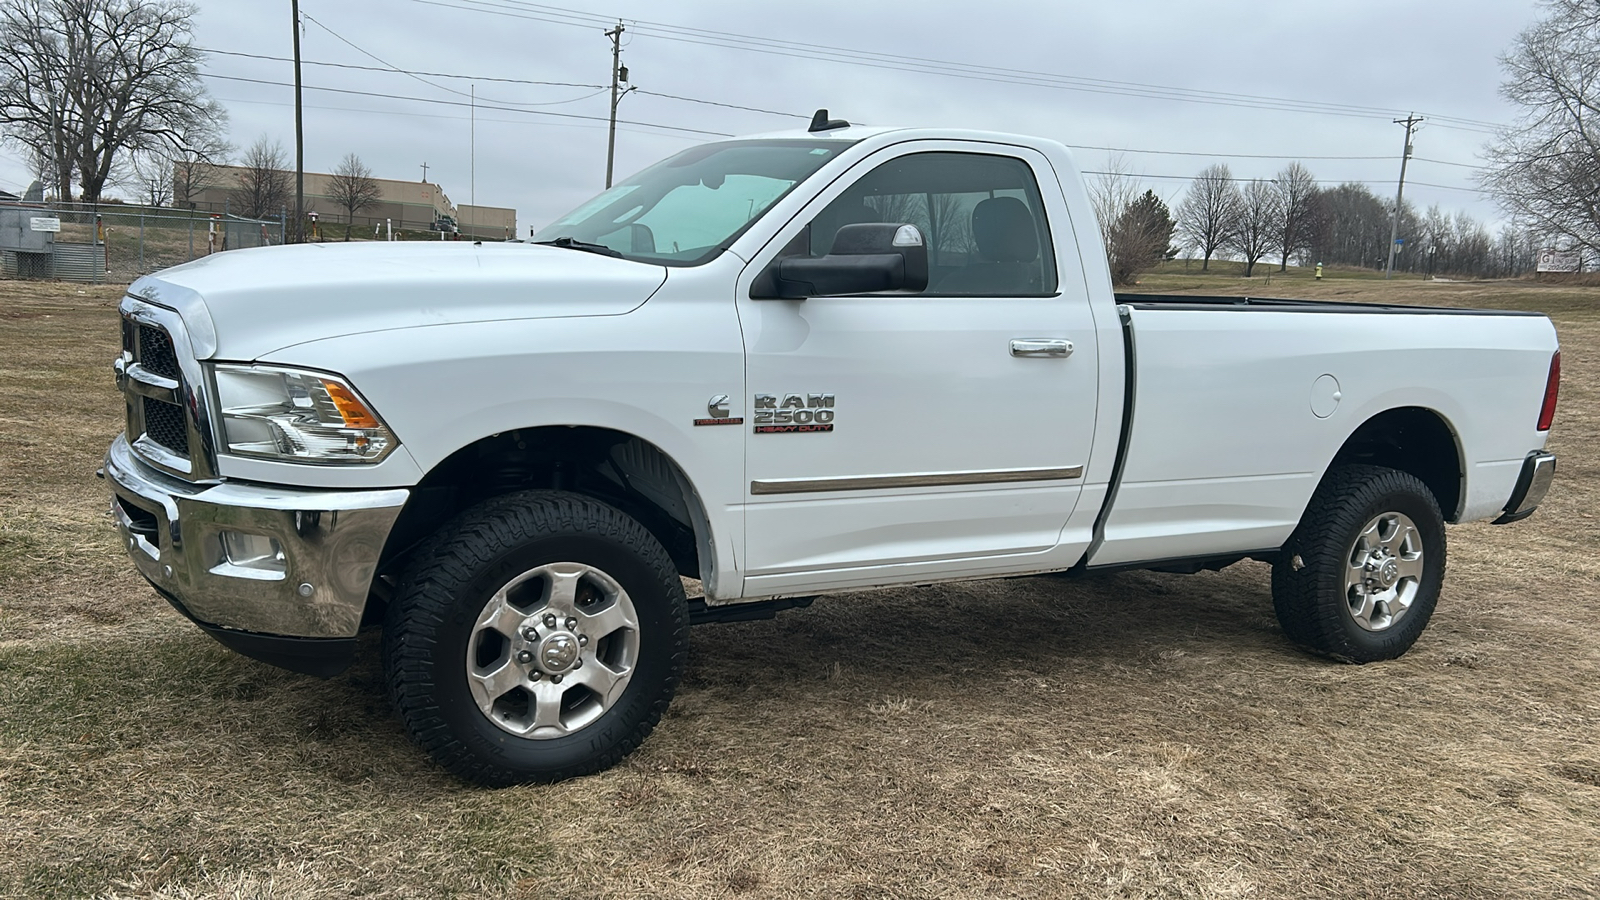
(865, 259)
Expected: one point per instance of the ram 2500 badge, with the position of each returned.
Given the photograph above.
(786, 366)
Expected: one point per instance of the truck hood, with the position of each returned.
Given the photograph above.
(244, 304)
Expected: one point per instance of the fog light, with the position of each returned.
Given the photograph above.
(253, 551)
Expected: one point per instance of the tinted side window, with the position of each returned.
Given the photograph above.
(981, 215)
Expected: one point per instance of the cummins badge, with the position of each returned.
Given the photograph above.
(718, 408)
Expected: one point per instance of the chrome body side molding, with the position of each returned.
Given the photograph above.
(936, 479)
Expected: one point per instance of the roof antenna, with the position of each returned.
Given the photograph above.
(821, 122)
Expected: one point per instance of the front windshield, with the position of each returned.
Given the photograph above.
(688, 208)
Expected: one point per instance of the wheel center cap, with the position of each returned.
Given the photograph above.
(1389, 573)
(558, 652)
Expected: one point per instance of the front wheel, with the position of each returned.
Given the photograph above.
(1360, 576)
(536, 637)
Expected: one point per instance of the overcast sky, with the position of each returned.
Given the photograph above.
(1373, 59)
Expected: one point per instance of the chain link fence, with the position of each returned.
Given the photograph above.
(118, 242)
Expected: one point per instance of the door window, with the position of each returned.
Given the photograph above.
(981, 215)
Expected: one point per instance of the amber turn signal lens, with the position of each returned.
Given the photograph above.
(355, 415)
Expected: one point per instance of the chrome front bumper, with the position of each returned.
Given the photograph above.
(275, 561)
(1538, 470)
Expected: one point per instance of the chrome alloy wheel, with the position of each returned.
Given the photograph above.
(1384, 572)
(552, 650)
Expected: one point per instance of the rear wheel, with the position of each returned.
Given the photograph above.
(537, 637)
(1359, 578)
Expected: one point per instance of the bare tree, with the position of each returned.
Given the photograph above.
(1437, 240)
(1545, 169)
(1474, 246)
(1297, 192)
(951, 221)
(87, 83)
(352, 188)
(1350, 227)
(1255, 223)
(43, 170)
(261, 188)
(193, 174)
(1209, 211)
(1110, 193)
(150, 175)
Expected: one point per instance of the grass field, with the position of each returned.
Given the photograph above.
(1129, 735)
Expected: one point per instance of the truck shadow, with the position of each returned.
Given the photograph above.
(1024, 622)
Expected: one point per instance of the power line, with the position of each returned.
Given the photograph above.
(599, 89)
(947, 68)
(449, 118)
(527, 112)
(1219, 155)
(770, 112)
(400, 71)
(1446, 187)
(1334, 181)
(376, 58)
(471, 93)
(1441, 162)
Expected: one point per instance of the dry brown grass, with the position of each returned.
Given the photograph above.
(1129, 735)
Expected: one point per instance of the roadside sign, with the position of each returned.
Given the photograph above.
(1559, 261)
(44, 223)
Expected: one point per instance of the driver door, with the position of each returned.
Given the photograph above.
(901, 436)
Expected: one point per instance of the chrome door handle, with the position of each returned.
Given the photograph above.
(1041, 347)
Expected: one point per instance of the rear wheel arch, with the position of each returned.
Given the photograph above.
(1415, 440)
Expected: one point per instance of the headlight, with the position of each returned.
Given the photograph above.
(295, 415)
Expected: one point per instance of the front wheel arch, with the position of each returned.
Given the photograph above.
(577, 459)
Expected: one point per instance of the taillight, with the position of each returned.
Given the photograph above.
(1552, 386)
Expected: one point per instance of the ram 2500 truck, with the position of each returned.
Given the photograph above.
(785, 366)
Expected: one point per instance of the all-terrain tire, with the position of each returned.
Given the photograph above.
(445, 591)
(1311, 581)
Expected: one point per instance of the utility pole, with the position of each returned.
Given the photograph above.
(619, 74)
(299, 134)
(472, 157)
(1410, 122)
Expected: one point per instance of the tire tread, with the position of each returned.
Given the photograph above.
(448, 561)
(1309, 600)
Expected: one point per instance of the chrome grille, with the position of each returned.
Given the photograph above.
(165, 424)
(156, 353)
(164, 391)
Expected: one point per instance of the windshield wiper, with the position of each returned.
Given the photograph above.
(570, 243)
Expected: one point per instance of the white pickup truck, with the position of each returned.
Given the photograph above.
(785, 366)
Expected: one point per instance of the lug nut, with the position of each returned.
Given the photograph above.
(577, 662)
(530, 634)
(572, 624)
(556, 679)
(550, 620)
(525, 656)
(535, 675)
(583, 639)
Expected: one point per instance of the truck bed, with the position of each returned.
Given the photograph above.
(1234, 419)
